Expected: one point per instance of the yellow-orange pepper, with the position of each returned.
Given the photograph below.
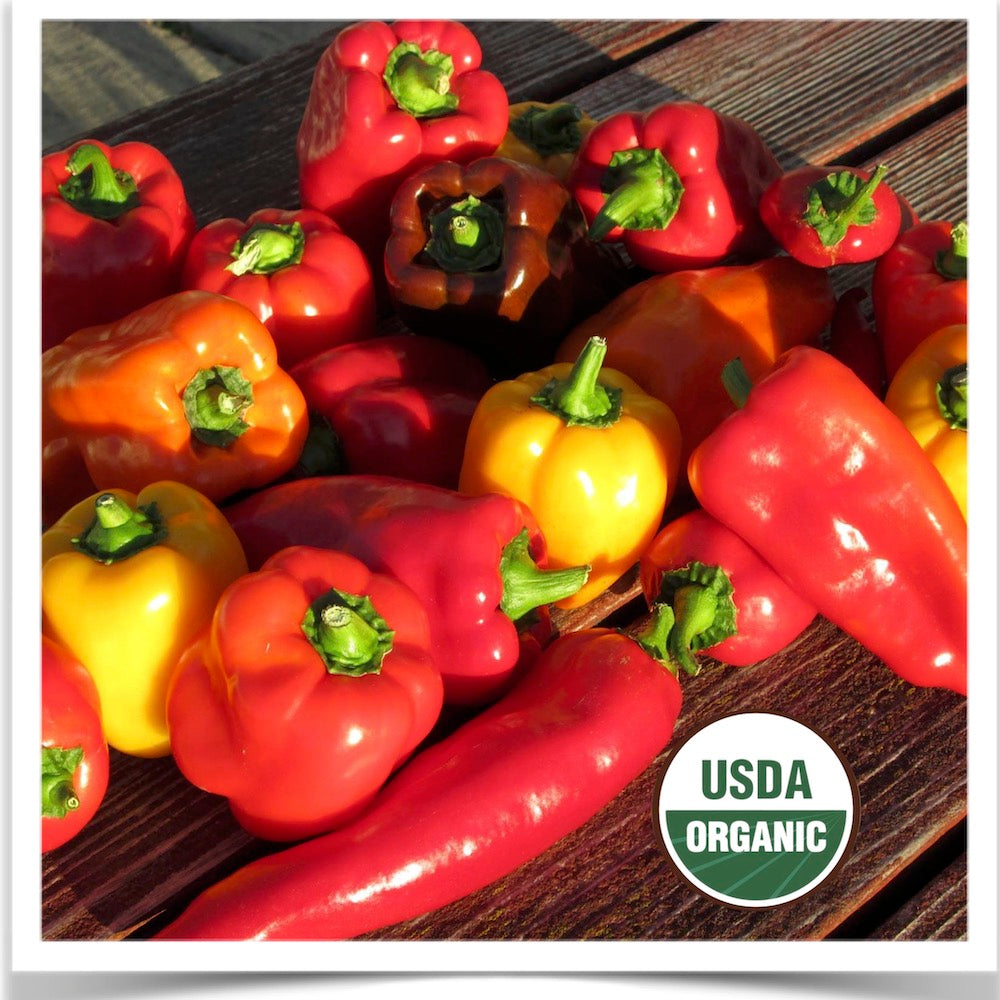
(128, 581)
(593, 456)
(545, 135)
(929, 393)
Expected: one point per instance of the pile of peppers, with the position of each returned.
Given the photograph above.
(324, 472)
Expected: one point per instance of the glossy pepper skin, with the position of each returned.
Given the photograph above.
(919, 285)
(312, 685)
(589, 717)
(127, 582)
(187, 388)
(837, 495)
(75, 763)
(546, 135)
(930, 394)
(394, 406)
(825, 216)
(727, 601)
(115, 226)
(678, 185)
(492, 255)
(385, 101)
(674, 333)
(472, 560)
(591, 455)
(307, 282)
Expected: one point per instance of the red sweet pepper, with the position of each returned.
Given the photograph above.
(75, 761)
(837, 495)
(386, 100)
(313, 684)
(678, 185)
(475, 562)
(590, 716)
(824, 216)
(394, 406)
(919, 285)
(726, 600)
(307, 282)
(853, 340)
(115, 227)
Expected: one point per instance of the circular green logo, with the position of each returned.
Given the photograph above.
(756, 809)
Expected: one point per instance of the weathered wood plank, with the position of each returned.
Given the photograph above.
(938, 913)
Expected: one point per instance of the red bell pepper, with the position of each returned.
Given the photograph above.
(854, 342)
(824, 216)
(396, 406)
(307, 282)
(837, 495)
(313, 684)
(115, 227)
(678, 185)
(386, 100)
(919, 285)
(75, 761)
(591, 715)
(475, 562)
(726, 599)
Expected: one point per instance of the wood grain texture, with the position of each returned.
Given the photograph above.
(938, 913)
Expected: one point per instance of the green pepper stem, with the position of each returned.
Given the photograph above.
(644, 192)
(267, 247)
(549, 131)
(580, 398)
(95, 187)
(526, 586)
(59, 764)
(420, 82)
(323, 451)
(119, 531)
(466, 236)
(952, 393)
(655, 637)
(953, 263)
(348, 633)
(695, 608)
(736, 382)
(214, 403)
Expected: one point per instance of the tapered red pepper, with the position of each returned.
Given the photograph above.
(187, 388)
(492, 255)
(307, 282)
(593, 457)
(726, 600)
(589, 717)
(385, 101)
(127, 582)
(74, 751)
(835, 493)
(475, 562)
(930, 394)
(678, 185)
(314, 682)
(394, 405)
(546, 135)
(919, 285)
(115, 227)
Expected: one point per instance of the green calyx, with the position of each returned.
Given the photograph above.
(736, 382)
(549, 131)
(654, 638)
(841, 200)
(953, 263)
(349, 635)
(95, 187)
(580, 399)
(952, 393)
(526, 586)
(267, 247)
(466, 236)
(214, 403)
(420, 82)
(119, 531)
(643, 192)
(323, 452)
(59, 764)
(701, 597)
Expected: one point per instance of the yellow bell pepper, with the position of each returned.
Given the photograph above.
(929, 393)
(128, 581)
(545, 135)
(593, 456)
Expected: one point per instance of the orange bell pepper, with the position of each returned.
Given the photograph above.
(673, 333)
(545, 135)
(187, 388)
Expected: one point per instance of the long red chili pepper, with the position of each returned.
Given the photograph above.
(593, 712)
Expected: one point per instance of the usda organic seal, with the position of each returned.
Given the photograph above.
(756, 809)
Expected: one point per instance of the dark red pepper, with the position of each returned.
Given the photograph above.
(475, 561)
(590, 716)
(726, 599)
(395, 406)
(115, 227)
(307, 282)
(854, 342)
